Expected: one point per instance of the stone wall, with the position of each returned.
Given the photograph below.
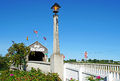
(43, 66)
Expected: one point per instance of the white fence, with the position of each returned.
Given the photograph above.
(79, 71)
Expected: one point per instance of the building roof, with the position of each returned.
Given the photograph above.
(37, 43)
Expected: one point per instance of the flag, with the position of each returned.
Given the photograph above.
(85, 54)
(46, 53)
(64, 56)
(27, 38)
(44, 38)
(35, 31)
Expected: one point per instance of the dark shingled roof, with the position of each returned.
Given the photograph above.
(56, 4)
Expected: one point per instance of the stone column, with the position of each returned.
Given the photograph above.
(56, 59)
(56, 49)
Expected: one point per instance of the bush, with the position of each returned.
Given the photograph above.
(33, 75)
(3, 63)
(93, 78)
(71, 79)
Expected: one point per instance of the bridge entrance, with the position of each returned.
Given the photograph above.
(38, 56)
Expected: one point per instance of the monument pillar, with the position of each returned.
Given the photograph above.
(56, 59)
(56, 49)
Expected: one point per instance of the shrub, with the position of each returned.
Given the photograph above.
(33, 75)
(71, 79)
(93, 78)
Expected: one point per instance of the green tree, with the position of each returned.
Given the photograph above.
(72, 60)
(95, 60)
(111, 61)
(3, 63)
(17, 54)
(90, 60)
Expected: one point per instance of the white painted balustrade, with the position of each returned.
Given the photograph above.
(80, 71)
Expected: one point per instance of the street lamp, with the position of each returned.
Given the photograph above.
(55, 8)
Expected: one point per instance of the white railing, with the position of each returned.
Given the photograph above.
(80, 71)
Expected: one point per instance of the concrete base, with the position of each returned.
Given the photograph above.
(57, 64)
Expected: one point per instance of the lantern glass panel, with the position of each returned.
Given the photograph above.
(56, 8)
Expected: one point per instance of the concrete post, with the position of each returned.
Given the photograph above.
(110, 77)
(56, 59)
(57, 65)
(56, 49)
(82, 69)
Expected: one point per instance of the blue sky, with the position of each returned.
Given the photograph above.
(84, 25)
